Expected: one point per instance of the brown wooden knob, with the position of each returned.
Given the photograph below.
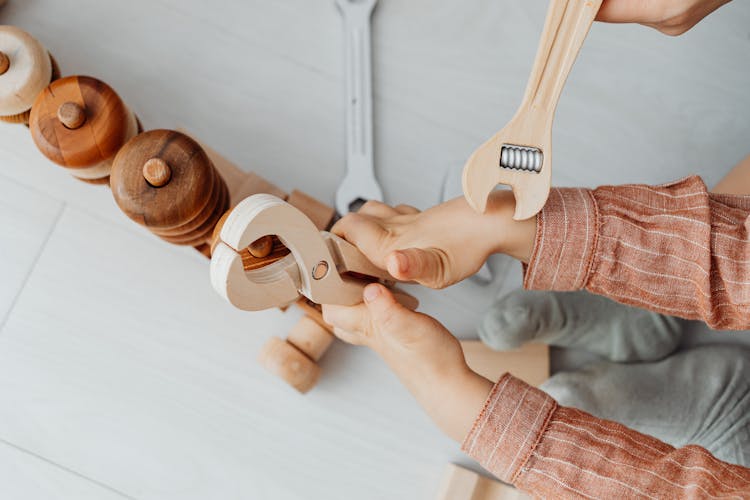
(164, 180)
(71, 114)
(4, 63)
(81, 123)
(286, 361)
(261, 247)
(28, 69)
(157, 172)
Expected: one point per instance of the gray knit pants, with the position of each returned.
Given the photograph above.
(695, 396)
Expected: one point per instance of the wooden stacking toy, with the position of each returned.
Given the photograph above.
(80, 123)
(25, 69)
(164, 180)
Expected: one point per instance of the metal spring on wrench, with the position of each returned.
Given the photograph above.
(521, 158)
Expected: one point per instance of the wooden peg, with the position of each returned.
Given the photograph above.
(157, 172)
(285, 361)
(26, 68)
(71, 114)
(164, 180)
(261, 247)
(295, 359)
(81, 123)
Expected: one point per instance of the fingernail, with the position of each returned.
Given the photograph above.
(402, 262)
(371, 292)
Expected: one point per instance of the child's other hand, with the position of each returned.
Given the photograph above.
(440, 246)
(671, 17)
(423, 354)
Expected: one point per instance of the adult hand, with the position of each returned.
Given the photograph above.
(671, 17)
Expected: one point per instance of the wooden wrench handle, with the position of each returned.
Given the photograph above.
(565, 28)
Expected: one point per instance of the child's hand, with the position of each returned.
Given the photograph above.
(423, 354)
(442, 245)
(671, 17)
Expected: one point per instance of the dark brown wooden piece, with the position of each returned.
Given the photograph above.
(4, 63)
(181, 207)
(261, 247)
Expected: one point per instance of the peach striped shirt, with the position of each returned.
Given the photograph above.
(675, 249)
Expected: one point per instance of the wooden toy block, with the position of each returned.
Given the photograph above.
(319, 213)
(26, 68)
(80, 123)
(529, 362)
(294, 359)
(241, 183)
(464, 484)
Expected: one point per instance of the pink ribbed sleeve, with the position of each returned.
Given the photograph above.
(675, 249)
(524, 438)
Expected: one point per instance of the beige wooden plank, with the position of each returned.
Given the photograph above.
(529, 362)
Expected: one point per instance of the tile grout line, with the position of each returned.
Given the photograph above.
(33, 265)
(130, 228)
(66, 469)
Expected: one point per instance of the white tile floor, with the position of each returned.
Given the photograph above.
(123, 375)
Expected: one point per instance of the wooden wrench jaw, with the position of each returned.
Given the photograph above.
(483, 171)
(313, 269)
(274, 285)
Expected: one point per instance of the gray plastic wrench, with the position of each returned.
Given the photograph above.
(359, 183)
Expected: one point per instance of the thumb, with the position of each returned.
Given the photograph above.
(425, 266)
(385, 311)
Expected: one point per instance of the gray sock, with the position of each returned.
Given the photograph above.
(579, 320)
(697, 396)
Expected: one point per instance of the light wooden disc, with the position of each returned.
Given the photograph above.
(29, 70)
(185, 196)
(108, 123)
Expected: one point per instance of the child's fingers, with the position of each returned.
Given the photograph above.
(425, 266)
(378, 209)
(365, 233)
(385, 312)
(348, 337)
(351, 319)
(406, 209)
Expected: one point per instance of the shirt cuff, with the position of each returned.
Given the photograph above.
(566, 238)
(509, 427)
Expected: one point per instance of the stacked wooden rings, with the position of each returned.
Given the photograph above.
(164, 180)
(80, 123)
(25, 69)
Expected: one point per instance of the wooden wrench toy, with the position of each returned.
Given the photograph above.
(520, 155)
(321, 266)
